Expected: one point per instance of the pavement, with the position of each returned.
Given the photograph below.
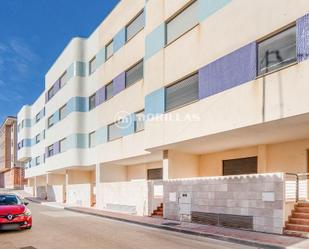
(241, 237)
(55, 228)
(244, 239)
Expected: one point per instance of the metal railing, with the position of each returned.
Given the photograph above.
(296, 185)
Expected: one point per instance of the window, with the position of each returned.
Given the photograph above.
(109, 50)
(181, 93)
(109, 90)
(62, 145)
(277, 51)
(22, 124)
(92, 65)
(114, 131)
(37, 117)
(92, 102)
(50, 92)
(155, 174)
(139, 121)
(62, 112)
(181, 23)
(50, 121)
(50, 150)
(37, 160)
(135, 26)
(37, 139)
(18, 127)
(134, 74)
(92, 141)
(240, 166)
(63, 79)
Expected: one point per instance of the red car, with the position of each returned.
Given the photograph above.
(13, 213)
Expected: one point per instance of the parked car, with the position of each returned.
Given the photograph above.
(14, 214)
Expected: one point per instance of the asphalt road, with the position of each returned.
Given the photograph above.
(57, 228)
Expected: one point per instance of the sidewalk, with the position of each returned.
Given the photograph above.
(250, 238)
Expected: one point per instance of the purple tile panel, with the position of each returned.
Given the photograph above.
(302, 38)
(100, 96)
(119, 83)
(56, 86)
(56, 147)
(229, 71)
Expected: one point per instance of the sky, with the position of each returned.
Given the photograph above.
(33, 33)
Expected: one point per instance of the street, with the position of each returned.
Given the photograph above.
(57, 228)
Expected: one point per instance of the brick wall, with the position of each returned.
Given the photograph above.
(258, 196)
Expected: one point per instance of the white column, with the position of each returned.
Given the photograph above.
(165, 165)
(97, 183)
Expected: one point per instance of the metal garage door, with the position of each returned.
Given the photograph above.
(240, 166)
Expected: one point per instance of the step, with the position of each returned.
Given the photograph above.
(299, 221)
(302, 209)
(156, 216)
(300, 215)
(158, 213)
(296, 233)
(296, 227)
(303, 204)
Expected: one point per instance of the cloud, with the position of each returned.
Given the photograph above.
(23, 51)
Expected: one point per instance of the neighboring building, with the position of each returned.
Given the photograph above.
(224, 87)
(11, 172)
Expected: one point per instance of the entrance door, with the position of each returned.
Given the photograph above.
(240, 166)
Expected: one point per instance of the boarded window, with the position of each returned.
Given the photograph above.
(92, 140)
(114, 131)
(109, 90)
(139, 121)
(181, 23)
(92, 65)
(135, 26)
(134, 74)
(62, 145)
(50, 121)
(240, 166)
(63, 79)
(277, 51)
(182, 93)
(92, 102)
(155, 174)
(62, 112)
(109, 50)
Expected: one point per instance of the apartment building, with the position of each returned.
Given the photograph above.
(197, 105)
(11, 172)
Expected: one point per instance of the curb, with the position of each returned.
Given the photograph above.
(185, 231)
(33, 200)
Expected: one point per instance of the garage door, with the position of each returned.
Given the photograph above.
(240, 166)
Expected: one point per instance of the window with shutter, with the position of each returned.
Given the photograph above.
(135, 26)
(181, 23)
(181, 93)
(135, 74)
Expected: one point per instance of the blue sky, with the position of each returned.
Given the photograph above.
(33, 33)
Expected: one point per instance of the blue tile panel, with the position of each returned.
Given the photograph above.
(77, 104)
(77, 141)
(229, 71)
(208, 7)
(100, 57)
(119, 83)
(81, 69)
(128, 125)
(302, 38)
(119, 40)
(155, 41)
(155, 102)
(101, 135)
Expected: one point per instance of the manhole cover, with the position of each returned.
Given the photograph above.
(171, 224)
(27, 247)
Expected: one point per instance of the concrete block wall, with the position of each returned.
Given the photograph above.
(260, 196)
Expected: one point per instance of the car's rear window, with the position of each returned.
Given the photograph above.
(9, 200)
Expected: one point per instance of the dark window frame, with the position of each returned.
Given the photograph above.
(92, 99)
(142, 12)
(111, 42)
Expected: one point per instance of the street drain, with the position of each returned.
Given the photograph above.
(27, 247)
(171, 224)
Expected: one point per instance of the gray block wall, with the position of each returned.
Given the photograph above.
(259, 195)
